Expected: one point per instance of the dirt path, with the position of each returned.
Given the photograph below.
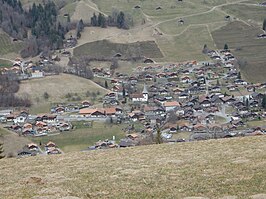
(189, 26)
(7, 59)
(98, 86)
(200, 13)
(211, 9)
(88, 3)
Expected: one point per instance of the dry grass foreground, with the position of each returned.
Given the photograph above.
(228, 168)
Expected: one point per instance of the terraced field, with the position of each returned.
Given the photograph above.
(105, 48)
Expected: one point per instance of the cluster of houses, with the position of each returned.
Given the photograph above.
(205, 99)
(33, 125)
(130, 140)
(197, 94)
(106, 144)
(23, 69)
(194, 97)
(33, 149)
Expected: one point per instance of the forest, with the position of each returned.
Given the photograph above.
(46, 32)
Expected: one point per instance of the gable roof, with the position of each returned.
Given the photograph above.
(170, 104)
(89, 111)
(136, 95)
(86, 111)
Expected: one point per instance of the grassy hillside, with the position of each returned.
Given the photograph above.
(228, 168)
(204, 23)
(5, 63)
(105, 48)
(242, 39)
(161, 33)
(7, 46)
(12, 142)
(57, 88)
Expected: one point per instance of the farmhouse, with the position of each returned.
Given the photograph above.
(20, 119)
(148, 61)
(185, 79)
(86, 103)
(92, 112)
(37, 74)
(100, 112)
(171, 105)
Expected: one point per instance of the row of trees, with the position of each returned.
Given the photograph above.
(118, 19)
(80, 67)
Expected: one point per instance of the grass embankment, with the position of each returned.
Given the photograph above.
(213, 169)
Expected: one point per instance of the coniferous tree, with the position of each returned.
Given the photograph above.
(121, 20)
(103, 23)
(1, 151)
(205, 49)
(94, 20)
(263, 104)
(226, 47)
(217, 82)
(239, 75)
(124, 91)
(159, 139)
(247, 103)
(80, 25)
(264, 25)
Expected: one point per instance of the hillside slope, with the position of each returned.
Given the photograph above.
(212, 169)
(12, 142)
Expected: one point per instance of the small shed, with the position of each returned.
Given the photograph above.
(148, 61)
